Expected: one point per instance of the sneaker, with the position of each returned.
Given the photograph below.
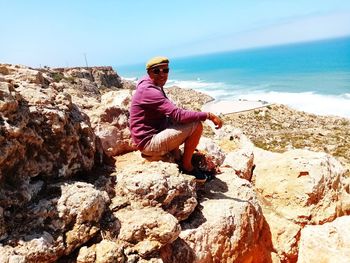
(201, 176)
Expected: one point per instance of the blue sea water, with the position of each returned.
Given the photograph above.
(313, 76)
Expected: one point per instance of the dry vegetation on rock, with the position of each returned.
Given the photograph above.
(60, 203)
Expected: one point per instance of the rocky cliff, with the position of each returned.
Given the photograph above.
(72, 188)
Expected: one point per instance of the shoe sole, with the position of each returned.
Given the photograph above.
(201, 181)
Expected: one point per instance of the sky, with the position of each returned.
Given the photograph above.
(114, 32)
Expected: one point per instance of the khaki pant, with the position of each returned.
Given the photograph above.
(169, 139)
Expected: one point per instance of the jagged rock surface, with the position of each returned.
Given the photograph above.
(110, 120)
(327, 243)
(51, 228)
(298, 188)
(227, 226)
(42, 133)
(149, 212)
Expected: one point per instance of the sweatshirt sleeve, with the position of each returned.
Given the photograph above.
(157, 100)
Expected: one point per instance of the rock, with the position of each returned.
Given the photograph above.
(242, 162)
(156, 184)
(211, 148)
(55, 227)
(106, 77)
(3, 231)
(294, 129)
(227, 226)
(187, 98)
(39, 247)
(329, 242)
(58, 124)
(128, 84)
(42, 133)
(104, 252)
(4, 70)
(110, 121)
(146, 229)
(231, 139)
(290, 201)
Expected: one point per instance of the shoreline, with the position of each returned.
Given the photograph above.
(225, 107)
(206, 102)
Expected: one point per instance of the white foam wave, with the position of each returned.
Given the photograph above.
(306, 101)
(311, 102)
(134, 79)
(194, 84)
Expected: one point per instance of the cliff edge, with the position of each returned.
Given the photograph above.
(73, 188)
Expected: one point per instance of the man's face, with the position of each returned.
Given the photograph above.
(159, 74)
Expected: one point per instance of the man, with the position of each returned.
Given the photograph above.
(158, 126)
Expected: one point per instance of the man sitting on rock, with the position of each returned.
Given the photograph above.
(158, 126)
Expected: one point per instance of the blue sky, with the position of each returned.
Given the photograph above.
(63, 33)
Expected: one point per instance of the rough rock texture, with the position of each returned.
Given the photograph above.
(101, 93)
(146, 229)
(62, 205)
(298, 188)
(105, 98)
(280, 128)
(100, 77)
(227, 226)
(41, 133)
(156, 184)
(104, 252)
(187, 98)
(44, 231)
(110, 120)
(327, 243)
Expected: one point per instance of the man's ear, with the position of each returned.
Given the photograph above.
(150, 74)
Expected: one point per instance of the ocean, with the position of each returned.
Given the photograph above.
(312, 76)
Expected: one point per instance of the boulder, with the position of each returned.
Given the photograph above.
(104, 252)
(298, 188)
(227, 225)
(41, 133)
(54, 227)
(146, 229)
(110, 120)
(242, 162)
(156, 184)
(326, 243)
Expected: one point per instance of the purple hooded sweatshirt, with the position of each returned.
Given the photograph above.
(151, 110)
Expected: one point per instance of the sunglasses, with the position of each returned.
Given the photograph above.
(158, 70)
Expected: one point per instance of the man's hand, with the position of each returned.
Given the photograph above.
(215, 119)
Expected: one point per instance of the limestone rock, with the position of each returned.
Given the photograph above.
(231, 139)
(55, 227)
(187, 98)
(4, 70)
(298, 188)
(42, 133)
(40, 247)
(101, 77)
(227, 226)
(211, 148)
(157, 184)
(80, 202)
(110, 121)
(3, 232)
(146, 229)
(106, 77)
(329, 242)
(104, 252)
(279, 128)
(242, 161)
